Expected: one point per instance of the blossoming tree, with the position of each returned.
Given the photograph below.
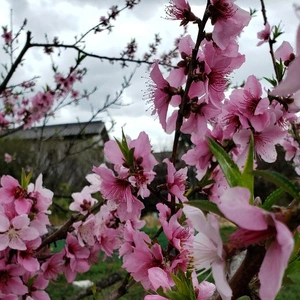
(229, 132)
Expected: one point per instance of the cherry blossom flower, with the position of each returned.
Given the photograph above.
(199, 156)
(12, 192)
(264, 142)
(36, 287)
(118, 192)
(8, 158)
(228, 20)
(180, 10)
(7, 35)
(53, 266)
(285, 53)
(250, 104)
(76, 258)
(204, 290)
(290, 84)
(83, 202)
(264, 35)
(16, 232)
(176, 181)
(164, 92)
(257, 225)
(208, 248)
(11, 282)
(141, 260)
(159, 278)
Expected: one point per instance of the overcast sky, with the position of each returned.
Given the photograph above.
(66, 19)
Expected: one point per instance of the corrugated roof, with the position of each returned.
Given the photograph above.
(61, 131)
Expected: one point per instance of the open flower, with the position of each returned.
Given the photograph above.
(257, 225)
(208, 248)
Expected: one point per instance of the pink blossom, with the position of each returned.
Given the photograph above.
(264, 142)
(7, 35)
(180, 10)
(42, 197)
(53, 266)
(164, 92)
(228, 20)
(8, 158)
(176, 181)
(36, 287)
(76, 258)
(27, 258)
(14, 233)
(257, 225)
(208, 248)
(106, 232)
(12, 192)
(204, 290)
(159, 278)
(251, 105)
(218, 65)
(155, 297)
(85, 231)
(118, 191)
(141, 260)
(264, 35)
(11, 282)
(83, 202)
(290, 84)
(285, 53)
(199, 156)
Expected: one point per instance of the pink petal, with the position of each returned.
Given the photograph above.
(222, 285)
(4, 241)
(4, 223)
(234, 204)
(17, 244)
(158, 278)
(291, 83)
(275, 262)
(20, 222)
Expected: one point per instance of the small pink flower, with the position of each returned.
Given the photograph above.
(208, 248)
(83, 202)
(264, 35)
(180, 10)
(164, 92)
(176, 181)
(76, 258)
(10, 282)
(8, 158)
(12, 192)
(14, 233)
(228, 20)
(53, 266)
(7, 35)
(257, 225)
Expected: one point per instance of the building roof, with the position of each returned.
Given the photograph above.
(60, 131)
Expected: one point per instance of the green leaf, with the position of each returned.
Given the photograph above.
(248, 178)
(25, 179)
(128, 154)
(176, 295)
(244, 298)
(228, 166)
(281, 181)
(206, 206)
(94, 290)
(273, 81)
(273, 198)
